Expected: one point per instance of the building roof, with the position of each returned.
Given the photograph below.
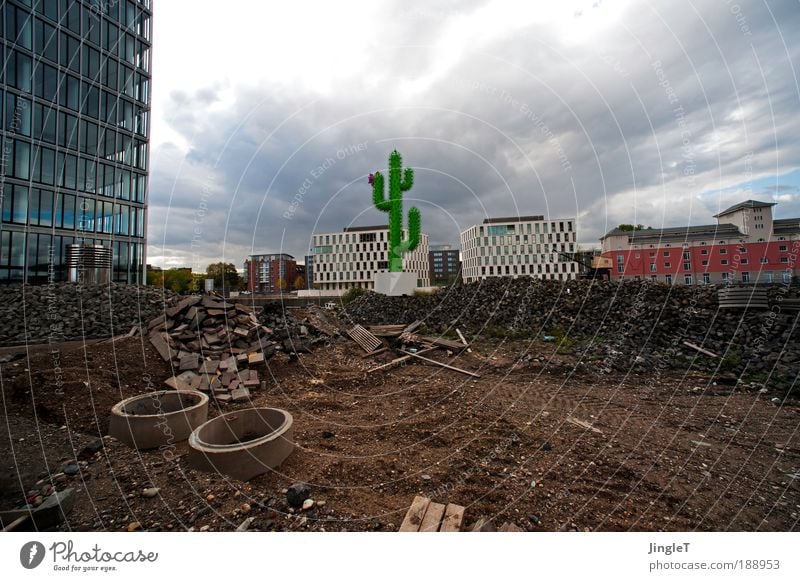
(365, 228)
(745, 205)
(513, 219)
(786, 226)
(270, 256)
(681, 233)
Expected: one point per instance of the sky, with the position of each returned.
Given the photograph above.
(268, 117)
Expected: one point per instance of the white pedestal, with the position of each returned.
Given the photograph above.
(395, 284)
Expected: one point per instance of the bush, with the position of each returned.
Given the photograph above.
(352, 294)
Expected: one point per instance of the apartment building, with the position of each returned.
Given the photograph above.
(350, 258)
(519, 246)
(445, 265)
(746, 245)
(270, 273)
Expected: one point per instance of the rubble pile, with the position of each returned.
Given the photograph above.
(63, 312)
(628, 325)
(221, 348)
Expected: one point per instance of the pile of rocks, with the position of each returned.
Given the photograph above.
(218, 347)
(63, 312)
(627, 325)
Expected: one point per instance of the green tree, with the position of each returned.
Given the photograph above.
(299, 282)
(225, 276)
(631, 227)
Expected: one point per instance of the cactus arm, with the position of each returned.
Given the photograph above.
(413, 231)
(378, 195)
(408, 180)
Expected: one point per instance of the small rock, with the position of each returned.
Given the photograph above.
(210, 497)
(150, 492)
(534, 519)
(321, 503)
(297, 493)
(326, 434)
(71, 469)
(204, 528)
(308, 503)
(245, 508)
(134, 526)
(38, 500)
(245, 524)
(547, 446)
(426, 476)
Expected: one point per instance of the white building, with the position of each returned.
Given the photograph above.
(521, 246)
(351, 258)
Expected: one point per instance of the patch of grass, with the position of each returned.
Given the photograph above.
(352, 294)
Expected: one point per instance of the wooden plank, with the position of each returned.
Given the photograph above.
(364, 338)
(415, 514)
(398, 361)
(583, 424)
(700, 349)
(445, 365)
(412, 327)
(453, 517)
(381, 350)
(433, 518)
(463, 340)
(442, 342)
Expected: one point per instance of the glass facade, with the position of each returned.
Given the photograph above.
(75, 116)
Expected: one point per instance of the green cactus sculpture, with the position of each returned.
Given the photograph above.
(399, 181)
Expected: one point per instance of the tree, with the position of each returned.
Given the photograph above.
(282, 286)
(631, 227)
(299, 282)
(225, 276)
(177, 280)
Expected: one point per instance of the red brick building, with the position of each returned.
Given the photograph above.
(746, 245)
(270, 273)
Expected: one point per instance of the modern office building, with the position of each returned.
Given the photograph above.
(270, 273)
(75, 107)
(746, 245)
(519, 246)
(445, 265)
(309, 271)
(350, 258)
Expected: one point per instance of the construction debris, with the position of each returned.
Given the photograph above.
(424, 516)
(217, 346)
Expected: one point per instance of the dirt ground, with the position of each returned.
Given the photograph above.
(539, 440)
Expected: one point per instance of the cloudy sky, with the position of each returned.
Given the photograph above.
(268, 117)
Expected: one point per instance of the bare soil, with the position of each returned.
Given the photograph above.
(540, 440)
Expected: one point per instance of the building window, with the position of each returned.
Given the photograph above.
(687, 266)
(666, 254)
(706, 278)
(667, 264)
(745, 277)
(745, 261)
(783, 248)
(723, 251)
(764, 260)
(653, 267)
(768, 276)
(687, 279)
(784, 259)
(726, 276)
(704, 251)
(668, 279)
(723, 262)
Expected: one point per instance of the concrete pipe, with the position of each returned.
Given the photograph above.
(243, 444)
(158, 418)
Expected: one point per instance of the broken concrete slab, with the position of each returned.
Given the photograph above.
(157, 340)
(177, 384)
(240, 394)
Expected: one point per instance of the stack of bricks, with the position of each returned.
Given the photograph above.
(214, 346)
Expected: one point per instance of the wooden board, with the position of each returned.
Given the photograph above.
(464, 371)
(367, 340)
(433, 518)
(453, 517)
(415, 515)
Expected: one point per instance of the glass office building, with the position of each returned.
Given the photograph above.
(75, 110)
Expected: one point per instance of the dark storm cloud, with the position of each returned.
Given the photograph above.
(675, 100)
